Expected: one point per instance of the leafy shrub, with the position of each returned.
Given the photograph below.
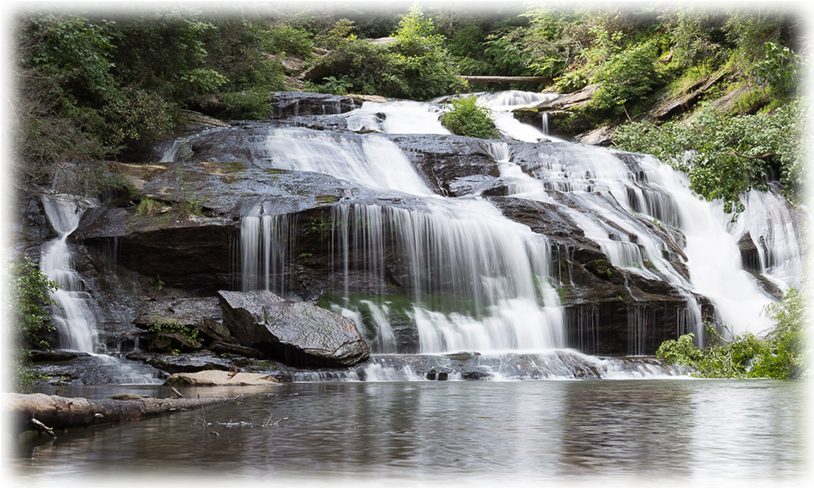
(29, 301)
(414, 66)
(135, 115)
(286, 38)
(150, 207)
(627, 77)
(164, 326)
(251, 104)
(726, 156)
(571, 82)
(782, 354)
(467, 118)
(780, 69)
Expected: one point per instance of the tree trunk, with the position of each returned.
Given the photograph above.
(507, 79)
(56, 412)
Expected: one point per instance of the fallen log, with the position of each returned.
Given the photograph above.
(507, 79)
(41, 412)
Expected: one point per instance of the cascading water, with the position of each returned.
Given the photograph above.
(482, 282)
(459, 251)
(75, 319)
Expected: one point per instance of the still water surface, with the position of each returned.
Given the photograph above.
(679, 430)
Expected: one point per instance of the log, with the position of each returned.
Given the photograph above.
(507, 79)
(38, 411)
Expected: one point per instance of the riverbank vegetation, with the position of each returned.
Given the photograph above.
(781, 354)
(29, 302)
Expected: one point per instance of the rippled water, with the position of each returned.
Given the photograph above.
(648, 430)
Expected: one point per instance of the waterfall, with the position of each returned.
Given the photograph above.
(74, 319)
(713, 258)
(480, 281)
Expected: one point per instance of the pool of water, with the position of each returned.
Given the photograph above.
(677, 430)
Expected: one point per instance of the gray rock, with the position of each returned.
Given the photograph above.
(296, 333)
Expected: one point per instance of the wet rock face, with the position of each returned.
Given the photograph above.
(287, 104)
(451, 165)
(297, 333)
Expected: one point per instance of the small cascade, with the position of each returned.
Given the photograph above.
(767, 216)
(606, 192)
(714, 260)
(75, 318)
(503, 103)
(403, 117)
(465, 366)
(265, 249)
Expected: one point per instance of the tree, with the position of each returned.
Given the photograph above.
(25, 292)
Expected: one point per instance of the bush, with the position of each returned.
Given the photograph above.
(626, 78)
(467, 118)
(414, 66)
(780, 69)
(782, 354)
(30, 298)
(726, 156)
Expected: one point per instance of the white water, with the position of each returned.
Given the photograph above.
(499, 269)
(75, 319)
(714, 261)
(461, 248)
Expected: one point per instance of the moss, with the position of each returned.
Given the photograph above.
(151, 207)
(326, 199)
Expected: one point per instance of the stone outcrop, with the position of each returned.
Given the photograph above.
(562, 113)
(220, 378)
(288, 104)
(297, 333)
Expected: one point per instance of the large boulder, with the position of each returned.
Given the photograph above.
(296, 333)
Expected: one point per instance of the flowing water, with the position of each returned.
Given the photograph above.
(74, 318)
(693, 432)
(499, 271)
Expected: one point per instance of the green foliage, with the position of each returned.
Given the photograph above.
(780, 69)
(338, 35)
(30, 298)
(414, 66)
(336, 86)
(782, 354)
(626, 77)
(697, 36)
(137, 115)
(467, 118)
(726, 156)
(571, 82)
(371, 19)
(286, 38)
(250, 104)
(150, 207)
(163, 326)
(416, 31)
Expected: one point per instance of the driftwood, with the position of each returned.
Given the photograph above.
(507, 79)
(47, 413)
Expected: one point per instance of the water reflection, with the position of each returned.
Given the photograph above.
(673, 429)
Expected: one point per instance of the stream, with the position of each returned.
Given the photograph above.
(678, 430)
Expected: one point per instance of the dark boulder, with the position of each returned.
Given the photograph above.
(296, 333)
